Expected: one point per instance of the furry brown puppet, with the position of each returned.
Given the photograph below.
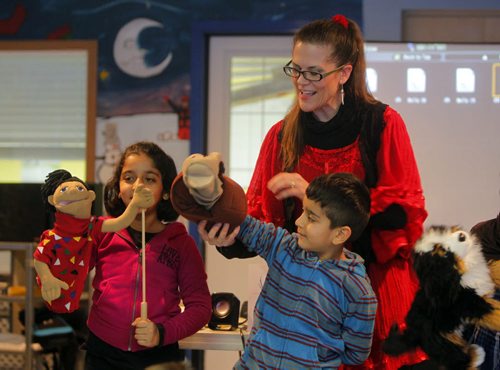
(202, 192)
(63, 255)
(455, 289)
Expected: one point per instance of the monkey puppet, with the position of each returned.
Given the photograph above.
(455, 290)
(63, 254)
(202, 192)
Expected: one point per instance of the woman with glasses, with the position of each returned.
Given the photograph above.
(336, 125)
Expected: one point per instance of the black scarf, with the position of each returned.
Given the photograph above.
(363, 119)
(340, 131)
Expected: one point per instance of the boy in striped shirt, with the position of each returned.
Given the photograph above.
(316, 309)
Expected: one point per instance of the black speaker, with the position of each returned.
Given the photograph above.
(225, 312)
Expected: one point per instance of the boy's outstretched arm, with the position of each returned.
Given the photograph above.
(51, 286)
(143, 198)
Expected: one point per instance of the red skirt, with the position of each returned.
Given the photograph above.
(395, 285)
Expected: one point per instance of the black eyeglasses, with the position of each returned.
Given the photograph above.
(308, 75)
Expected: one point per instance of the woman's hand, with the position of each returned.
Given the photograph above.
(286, 185)
(146, 332)
(217, 235)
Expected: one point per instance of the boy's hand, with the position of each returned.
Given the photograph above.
(142, 198)
(217, 235)
(146, 332)
(51, 288)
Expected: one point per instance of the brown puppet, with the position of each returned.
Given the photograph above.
(455, 290)
(63, 255)
(202, 192)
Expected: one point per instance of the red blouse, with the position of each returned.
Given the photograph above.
(398, 182)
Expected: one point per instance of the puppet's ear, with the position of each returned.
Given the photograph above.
(92, 194)
(51, 200)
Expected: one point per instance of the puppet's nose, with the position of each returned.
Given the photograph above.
(438, 249)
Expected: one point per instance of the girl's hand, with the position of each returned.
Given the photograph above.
(142, 198)
(286, 185)
(217, 235)
(146, 332)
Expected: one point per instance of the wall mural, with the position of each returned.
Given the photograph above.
(144, 49)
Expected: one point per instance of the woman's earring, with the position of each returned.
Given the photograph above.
(165, 196)
(342, 93)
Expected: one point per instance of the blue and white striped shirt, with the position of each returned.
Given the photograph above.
(311, 314)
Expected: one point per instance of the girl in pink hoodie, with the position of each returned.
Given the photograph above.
(119, 338)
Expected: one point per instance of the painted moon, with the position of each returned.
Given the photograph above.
(129, 57)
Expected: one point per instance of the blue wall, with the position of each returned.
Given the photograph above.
(145, 46)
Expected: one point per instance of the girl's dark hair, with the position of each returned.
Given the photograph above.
(344, 199)
(52, 182)
(347, 47)
(163, 163)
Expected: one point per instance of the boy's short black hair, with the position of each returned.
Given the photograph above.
(344, 199)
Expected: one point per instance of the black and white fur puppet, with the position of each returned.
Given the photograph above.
(455, 289)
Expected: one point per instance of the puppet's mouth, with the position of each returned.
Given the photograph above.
(66, 202)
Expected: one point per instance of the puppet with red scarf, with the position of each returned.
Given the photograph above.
(63, 256)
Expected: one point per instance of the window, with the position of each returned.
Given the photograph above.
(47, 108)
(247, 101)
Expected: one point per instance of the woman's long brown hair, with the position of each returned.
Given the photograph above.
(347, 47)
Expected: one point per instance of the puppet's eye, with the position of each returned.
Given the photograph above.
(63, 189)
(461, 237)
(80, 188)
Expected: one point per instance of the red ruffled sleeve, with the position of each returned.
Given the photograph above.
(398, 182)
(262, 204)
